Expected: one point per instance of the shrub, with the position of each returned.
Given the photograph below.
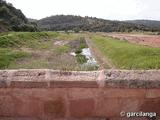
(81, 58)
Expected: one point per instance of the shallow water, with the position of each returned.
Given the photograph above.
(86, 52)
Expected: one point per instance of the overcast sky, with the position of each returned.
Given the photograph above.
(107, 9)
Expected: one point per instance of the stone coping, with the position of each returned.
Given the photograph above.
(47, 78)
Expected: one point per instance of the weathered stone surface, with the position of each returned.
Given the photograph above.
(133, 75)
(28, 84)
(56, 108)
(7, 106)
(94, 118)
(58, 95)
(30, 118)
(151, 105)
(3, 75)
(28, 107)
(83, 93)
(72, 76)
(73, 84)
(108, 107)
(132, 78)
(18, 118)
(153, 93)
(125, 118)
(131, 104)
(3, 84)
(69, 79)
(28, 75)
(123, 93)
(49, 94)
(82, 108)
(122, 83)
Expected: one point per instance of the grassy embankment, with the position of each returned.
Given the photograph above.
(124, 55)
(38, 50)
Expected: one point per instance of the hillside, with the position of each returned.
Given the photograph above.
(153, 25)
(69, 22)
(13, 19)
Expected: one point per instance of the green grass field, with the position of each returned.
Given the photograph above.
(124, 55)
(51, 50)
(38, 50)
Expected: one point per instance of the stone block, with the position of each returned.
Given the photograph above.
(7, 106)
(28, 84)
(73, 84)
(153, 93)
(83, 93)
(123, 93)
(108, 107)
(28, 107)
(3, 84)
(82, 108)
(55, 109)
(151, 105)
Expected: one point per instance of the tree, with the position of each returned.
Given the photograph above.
(76, 30)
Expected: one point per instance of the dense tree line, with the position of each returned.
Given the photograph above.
(152, 25)
(77, 23)
(13, 19)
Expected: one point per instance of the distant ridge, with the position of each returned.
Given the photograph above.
(12, 19)
(151, 24)
(70, 22)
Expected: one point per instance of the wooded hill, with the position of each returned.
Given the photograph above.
(152, 25)
(77, 23)
(13, 19)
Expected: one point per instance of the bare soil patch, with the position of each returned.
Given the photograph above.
(149, 40)
(60, 42)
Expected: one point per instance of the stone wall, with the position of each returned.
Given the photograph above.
(60, 95)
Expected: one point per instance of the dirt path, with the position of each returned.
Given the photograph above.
(103, 62)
